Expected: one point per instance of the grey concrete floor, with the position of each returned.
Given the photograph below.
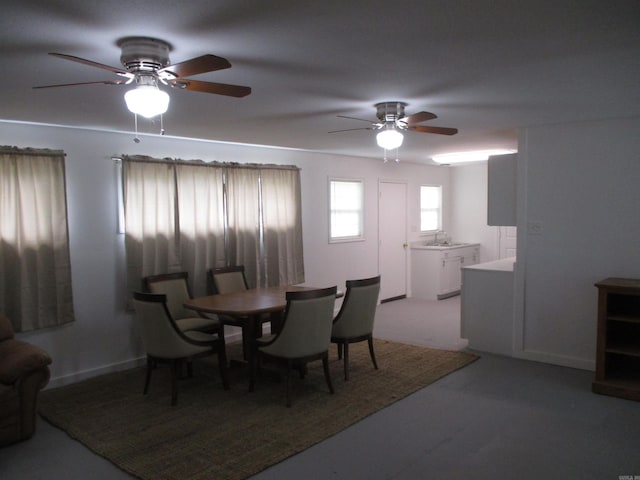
(497, 418)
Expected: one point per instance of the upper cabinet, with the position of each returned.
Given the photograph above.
(502, 179)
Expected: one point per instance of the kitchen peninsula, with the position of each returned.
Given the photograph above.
(487, 306)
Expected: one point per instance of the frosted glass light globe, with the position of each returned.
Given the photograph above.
(147, 100)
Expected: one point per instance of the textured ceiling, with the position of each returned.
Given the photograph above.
(485, 67)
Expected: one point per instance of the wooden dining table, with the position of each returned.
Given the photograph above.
(247, 308)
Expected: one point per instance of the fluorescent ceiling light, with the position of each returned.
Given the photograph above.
(147, 100)
(463, 157)
(389, 139)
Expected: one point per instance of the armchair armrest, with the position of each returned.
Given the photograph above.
(20, 358)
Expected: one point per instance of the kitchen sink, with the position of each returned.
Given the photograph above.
(446, 244)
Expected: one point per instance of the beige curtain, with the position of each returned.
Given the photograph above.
(35, 266)
(150, 219)
(192, 216)
(243, 222)
(282, 226)
(201, 221)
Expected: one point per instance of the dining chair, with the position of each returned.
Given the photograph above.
(227, 279)
(232, 279)
(354, 322)
(304, 337)
(176, 287)
(165, 342)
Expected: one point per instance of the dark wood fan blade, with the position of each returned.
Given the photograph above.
(104, 82)
(419, 117)
(437, 130)
(211, 87)
(352, 129)
(202, 64)
(354, 118)
(91, 63)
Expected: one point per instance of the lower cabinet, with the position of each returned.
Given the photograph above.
(486, 306)
(436, 273)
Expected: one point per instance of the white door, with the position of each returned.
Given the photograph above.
(507, 241)
(392, 250)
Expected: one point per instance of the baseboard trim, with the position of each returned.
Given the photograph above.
(387, 300)
(555, 359)
(62, 380)
(94, 372)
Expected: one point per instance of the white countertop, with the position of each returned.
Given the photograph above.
(502, 265)
(418, 246)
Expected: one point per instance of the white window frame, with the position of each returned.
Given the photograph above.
(333, 209)
(437, 209)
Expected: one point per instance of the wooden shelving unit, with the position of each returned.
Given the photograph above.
(618, 347)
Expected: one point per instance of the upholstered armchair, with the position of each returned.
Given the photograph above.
(24, 371)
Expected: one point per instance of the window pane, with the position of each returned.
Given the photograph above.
(429, 221)
(429, 197)
(346, 209)
(430, 208)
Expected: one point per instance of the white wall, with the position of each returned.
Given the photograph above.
(580, 184)
(469, 209)
(579, 181)
(103, 337)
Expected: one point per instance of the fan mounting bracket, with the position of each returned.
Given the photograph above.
(142, 55)
(390, 111)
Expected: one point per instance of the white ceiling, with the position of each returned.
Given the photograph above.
(486, 67)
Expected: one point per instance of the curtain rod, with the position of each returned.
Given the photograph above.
(32, 151)
(178, 161)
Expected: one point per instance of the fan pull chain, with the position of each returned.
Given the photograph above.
(386, 158)
(161, 124)
(135, 120)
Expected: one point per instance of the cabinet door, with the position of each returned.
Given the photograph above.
(451, 275)
(470, 256)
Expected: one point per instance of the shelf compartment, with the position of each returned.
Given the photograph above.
(623, 307)
(618, 343)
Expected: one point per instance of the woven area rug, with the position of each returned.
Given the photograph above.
(234, 434)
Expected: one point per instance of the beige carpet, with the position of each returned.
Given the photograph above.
(231, 435)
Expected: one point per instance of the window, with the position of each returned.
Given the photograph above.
(430, 208)
(346, 210)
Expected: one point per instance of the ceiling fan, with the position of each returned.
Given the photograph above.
(392, 121)
(146, 63)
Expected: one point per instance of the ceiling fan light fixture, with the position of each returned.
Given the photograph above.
(147, 100)
(389, 139)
